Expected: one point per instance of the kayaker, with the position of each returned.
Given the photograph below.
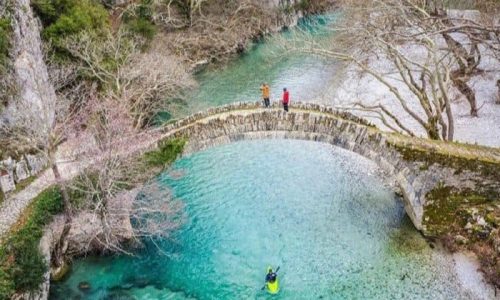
(272, 284)
(271, 276)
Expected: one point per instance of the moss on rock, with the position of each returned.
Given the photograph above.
(459, 163)
(472, 218)
(447, 206)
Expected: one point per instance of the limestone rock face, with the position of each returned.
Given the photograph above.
(36, 97)
(22, 171)
(36, 163)
(6, 182)
(86, 228)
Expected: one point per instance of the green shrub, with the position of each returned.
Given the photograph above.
(168, 151)
(21, 264)
(303, 5)
(140, 22)
(27, 272)
(50, 10)
(6, 284)
(142, 27)
(84, 15)
(5, 30)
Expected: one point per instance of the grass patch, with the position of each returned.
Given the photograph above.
(23, 184)
(168, 151)
(22, 266)
(5, 32)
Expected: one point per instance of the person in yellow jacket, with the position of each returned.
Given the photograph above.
(265, 94)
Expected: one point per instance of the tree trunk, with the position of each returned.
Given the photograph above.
(108, 240)
(469, 94)
(432, 129)
(498, 94)
(58, 253)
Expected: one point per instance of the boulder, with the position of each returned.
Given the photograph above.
(35, 163)
(6, 182)
(22, 171)
(8, 165)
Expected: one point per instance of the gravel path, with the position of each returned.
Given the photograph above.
(70, 163)
(14, 205)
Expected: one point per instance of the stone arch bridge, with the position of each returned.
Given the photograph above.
(417, 167)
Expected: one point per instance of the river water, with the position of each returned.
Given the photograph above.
(320, 213)
(307, 78)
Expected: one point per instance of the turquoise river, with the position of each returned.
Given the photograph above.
(321, 213)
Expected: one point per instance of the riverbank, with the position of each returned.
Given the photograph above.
(466, 267)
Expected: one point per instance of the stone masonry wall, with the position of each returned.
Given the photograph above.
(314, 122)
(13, 172)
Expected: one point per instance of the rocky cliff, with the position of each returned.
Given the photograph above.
(34, 103)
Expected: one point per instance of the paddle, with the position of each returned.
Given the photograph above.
(277, 269)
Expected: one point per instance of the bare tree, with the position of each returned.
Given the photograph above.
(466, 38)
(145, 81)
(222, 30)
(384, 30)
(109, 185)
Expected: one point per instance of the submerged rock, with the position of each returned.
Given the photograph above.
(84, 286)
(119, 295)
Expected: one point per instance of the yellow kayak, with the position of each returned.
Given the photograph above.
(272, 287)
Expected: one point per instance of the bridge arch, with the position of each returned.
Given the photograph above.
(413, 178)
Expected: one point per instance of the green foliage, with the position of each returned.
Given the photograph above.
(75, 17)
(303, 5)
(142, 27)
(6, 284)
(168, 151)
(140, 21)
(21, 264)
(50, 10)
(5, 31)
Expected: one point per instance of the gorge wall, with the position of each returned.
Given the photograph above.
(33, 105)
